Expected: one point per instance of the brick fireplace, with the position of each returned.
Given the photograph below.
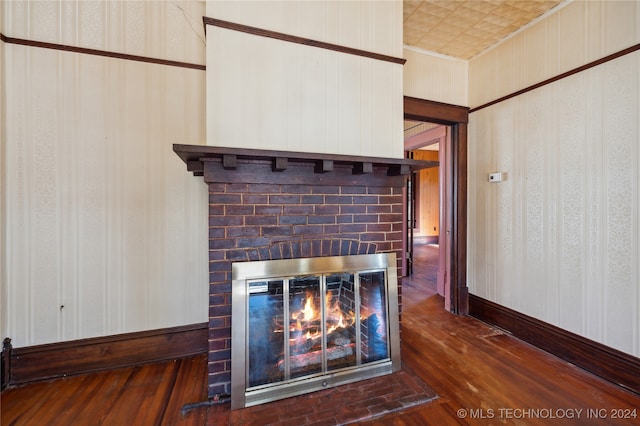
(267, 205)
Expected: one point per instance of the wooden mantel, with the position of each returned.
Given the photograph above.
(196, 156)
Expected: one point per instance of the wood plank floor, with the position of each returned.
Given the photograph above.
(481, 375)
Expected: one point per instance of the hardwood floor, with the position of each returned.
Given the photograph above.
(481, 375)
(485, 376)
(151, 394)
(423, 281)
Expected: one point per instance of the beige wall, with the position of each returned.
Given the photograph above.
(270, 94)
(101, 217)
(558, 240)
(435, 77)
(106, 232)
(4, 309)
(580, 32)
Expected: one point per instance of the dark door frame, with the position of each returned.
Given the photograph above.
(457, 117)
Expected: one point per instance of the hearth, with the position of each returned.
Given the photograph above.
(306, 324)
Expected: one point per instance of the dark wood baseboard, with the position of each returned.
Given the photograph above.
(608, 363)
(4, 363)
(42, 362)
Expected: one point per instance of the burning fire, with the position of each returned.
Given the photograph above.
(308, 313)
(307, 321)
(335, 315)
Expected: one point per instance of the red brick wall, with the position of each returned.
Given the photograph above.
(305, 218)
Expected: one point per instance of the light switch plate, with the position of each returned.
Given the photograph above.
(496, 177)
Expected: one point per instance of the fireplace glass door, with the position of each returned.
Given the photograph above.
(312, 326)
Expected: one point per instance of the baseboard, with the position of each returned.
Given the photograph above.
(608, 363)
(42, 362)
(4, 363)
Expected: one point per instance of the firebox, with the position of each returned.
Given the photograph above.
(307, 324)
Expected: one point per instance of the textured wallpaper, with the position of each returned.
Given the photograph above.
(558, 239)
(106, 231)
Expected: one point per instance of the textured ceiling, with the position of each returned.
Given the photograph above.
(463, 29)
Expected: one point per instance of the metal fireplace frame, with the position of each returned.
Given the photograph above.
(242, 272)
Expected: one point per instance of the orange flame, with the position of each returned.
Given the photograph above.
(308, 311)
(334, 319)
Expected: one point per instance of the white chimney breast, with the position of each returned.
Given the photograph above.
(264, 93)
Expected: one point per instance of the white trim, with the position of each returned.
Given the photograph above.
(434, 54)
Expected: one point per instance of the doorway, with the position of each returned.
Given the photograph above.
(456, 118)
(428, 218)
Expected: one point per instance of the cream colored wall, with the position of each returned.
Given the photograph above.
(270, 94)
(558, 240)
(368, 25)
(578, 33)
(106, 232)
(436, 77)
(4, 314)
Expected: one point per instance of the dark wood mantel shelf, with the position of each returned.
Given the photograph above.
(196, 156)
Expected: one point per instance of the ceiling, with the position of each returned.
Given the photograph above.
(462, 29)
